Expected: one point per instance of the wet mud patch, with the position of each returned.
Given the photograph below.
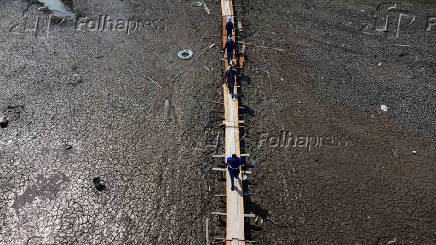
(44, 188)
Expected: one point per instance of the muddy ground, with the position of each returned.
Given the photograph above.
(85, 103)
(325, 73)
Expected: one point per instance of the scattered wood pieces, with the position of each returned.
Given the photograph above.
(207, 68)
(216, 102)
(205, 7)
(166, 109)
(151, 80)
(219, 156)
(180, 73)
(242, 56)
(260, 46)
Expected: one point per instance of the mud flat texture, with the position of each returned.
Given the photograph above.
(320, 69)
(86, 101)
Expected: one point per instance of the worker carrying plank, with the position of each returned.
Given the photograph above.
(233, 163)
(231, 48)
(230, 78)
(229, 27)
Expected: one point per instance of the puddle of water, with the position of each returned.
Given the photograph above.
(57, 8)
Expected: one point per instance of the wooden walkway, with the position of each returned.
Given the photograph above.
(235, 199)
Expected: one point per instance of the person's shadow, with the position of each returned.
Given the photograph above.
(240, 192)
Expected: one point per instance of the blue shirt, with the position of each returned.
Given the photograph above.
(230, 47)
(229, 26)
(233, 166)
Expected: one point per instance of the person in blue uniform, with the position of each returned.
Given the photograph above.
(229, 27)
(230, 78)
(230, 47)
(233, 163)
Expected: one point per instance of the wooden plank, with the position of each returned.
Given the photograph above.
(166, 109)
(219, 169)
(223, 169)
(219, 156)
(242, 56)
(249, 215)
(240, 121)
(235, 199)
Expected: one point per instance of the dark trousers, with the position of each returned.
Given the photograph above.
(229, 33)
(229, 56)
(233, 175)
(231, 86)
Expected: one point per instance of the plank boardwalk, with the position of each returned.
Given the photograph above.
(235, 199)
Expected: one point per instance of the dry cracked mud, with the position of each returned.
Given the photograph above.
(86, 101)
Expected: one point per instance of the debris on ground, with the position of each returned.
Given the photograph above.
(197, 3)
(66, 145)
(392, 241)
(151, 80)
(98, 185)
(260, 46)
(57, 8)
(166, 109)
(77, 83)
(205, 7)
(395, 153)
(207, 68)
(180, 73)
(4, 122)
(384, 108)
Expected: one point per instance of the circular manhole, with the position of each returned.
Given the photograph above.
(185, 54)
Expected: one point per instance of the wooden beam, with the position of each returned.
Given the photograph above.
(249, 215)
(242, 56)
(223, 170)
(219, 169)
(219, 156)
